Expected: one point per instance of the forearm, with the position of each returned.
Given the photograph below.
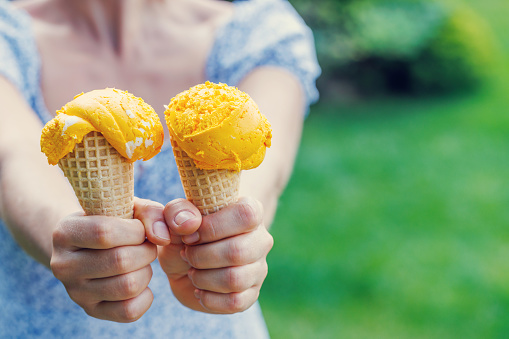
(32, 201)
(267, 182)
(280, 98)
(33, 194)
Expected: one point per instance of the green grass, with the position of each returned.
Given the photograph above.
(396, 221)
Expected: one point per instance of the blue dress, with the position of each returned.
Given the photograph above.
(34, 304)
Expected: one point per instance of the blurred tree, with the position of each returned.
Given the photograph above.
(398, 46)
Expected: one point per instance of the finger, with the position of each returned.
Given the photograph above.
(227, 303)
(120, 287)
(93, 264)
(125, 311)
(182, 217)
(171, 262)
(150, 213)
(241, 217)
(235, 251)
(98, 232)
(230, 279)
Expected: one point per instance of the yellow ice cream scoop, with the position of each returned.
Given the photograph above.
(219, 127)
(129, 124)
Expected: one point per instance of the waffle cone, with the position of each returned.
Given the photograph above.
(209, 190)
(102, 179)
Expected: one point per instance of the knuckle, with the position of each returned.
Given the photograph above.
(148, 207)
(89, 310)
(175, 205)
(235, 254)
(235, 303)
(248, 213)
(59, 267)
(130, 286)
(59, 237)
(177, 202)
(150, 272)
(122, 260)
(235, 283)
(270, 242)
(128, 312)
(210, 229)
(101, 234)
(76, 294)
(265, 270)
(141, 205)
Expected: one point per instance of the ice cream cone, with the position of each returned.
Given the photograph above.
(209, 190)
(216, 131)
(102, 179)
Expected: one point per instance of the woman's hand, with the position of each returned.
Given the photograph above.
(216, 263)
(104, 264)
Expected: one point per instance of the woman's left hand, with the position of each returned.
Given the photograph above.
(216, 263)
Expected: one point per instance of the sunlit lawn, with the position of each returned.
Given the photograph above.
(396, 221)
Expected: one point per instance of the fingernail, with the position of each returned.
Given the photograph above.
(161, 230)
(182, 217)
(191, 239)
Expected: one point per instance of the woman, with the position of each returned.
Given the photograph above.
(51, 50)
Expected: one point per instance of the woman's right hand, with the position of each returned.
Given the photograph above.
(104, 264)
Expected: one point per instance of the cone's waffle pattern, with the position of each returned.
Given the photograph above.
(101, 178)
(209, 190)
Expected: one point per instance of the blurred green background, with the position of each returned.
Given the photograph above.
(395, 223)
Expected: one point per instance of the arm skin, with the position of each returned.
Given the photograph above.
(217, 263)
(281, 99)
(33, 195)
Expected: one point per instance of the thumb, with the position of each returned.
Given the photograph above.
(183, 218)
(150, 213)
